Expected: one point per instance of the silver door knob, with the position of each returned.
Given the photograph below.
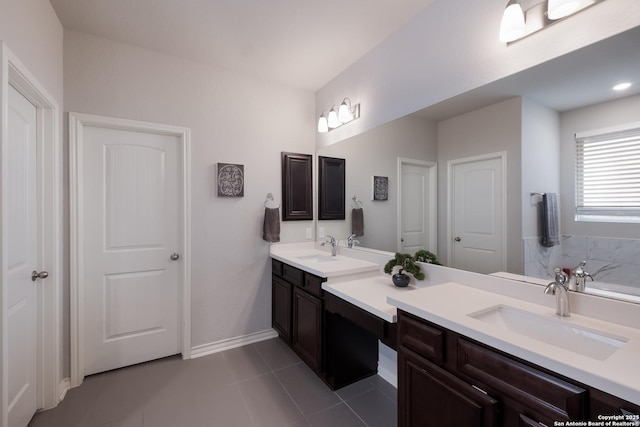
(35, 275)
(457, 239)
(174, 256)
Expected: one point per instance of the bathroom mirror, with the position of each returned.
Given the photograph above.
(572, 93)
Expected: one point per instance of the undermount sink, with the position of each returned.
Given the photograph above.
(588, 342)
(317, 258)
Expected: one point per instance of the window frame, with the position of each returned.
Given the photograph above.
(611, 214)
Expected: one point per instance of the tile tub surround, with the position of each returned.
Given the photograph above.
(261, 384)
(609, 260)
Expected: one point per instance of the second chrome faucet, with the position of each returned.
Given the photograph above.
(561, 291)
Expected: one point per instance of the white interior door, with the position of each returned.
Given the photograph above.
(417, 212)
(21, 306)
(131, 275)
(477, 214)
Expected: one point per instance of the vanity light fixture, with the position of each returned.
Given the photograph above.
(518, 22)
(335, 119)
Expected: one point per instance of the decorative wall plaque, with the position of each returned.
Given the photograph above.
(230, 180)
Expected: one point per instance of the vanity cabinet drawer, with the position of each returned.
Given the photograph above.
(293, 275)
(313, 284)
(276, 267)
(421, 338)
(547, 396)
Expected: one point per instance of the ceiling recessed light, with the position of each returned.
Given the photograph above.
(622, 86)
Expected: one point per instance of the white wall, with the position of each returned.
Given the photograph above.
(486, 130)
(31, 29)
(375, 152)
(451, 48)
(606, 114)
(233, 119)
(540, 161)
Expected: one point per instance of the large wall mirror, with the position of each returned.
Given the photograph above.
(530, 118)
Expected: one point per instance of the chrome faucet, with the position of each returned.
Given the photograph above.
(333, 242)
(352, 241)
(559, 289)
(578, 279)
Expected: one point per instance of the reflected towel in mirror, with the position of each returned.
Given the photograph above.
(357, 222)
(549, 220)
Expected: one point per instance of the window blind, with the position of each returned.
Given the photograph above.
(608, 175)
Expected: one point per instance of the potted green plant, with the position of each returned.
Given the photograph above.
(407, 263)
(426, 256)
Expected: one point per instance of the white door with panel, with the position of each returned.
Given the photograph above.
(131, 276)
(417, 212)
(21, 305)
(477, 214)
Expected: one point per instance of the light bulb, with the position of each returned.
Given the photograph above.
(333, 121)
(322, 124)
(344, 112)
(557, 9)
(512, 26)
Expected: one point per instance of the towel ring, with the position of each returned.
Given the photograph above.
(356, 203)
(270, 202)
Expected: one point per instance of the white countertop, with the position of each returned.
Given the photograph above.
(450, 304)
(370, 294)
(299, 256)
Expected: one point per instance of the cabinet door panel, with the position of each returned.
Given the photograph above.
(525, 385)
(307, 329)
(430, 396)
(281, 298)
(422, 338)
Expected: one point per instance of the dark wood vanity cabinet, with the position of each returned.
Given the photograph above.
(336, 339)
(431, 396)
(445, 378)
(308, 328)
(297, 311)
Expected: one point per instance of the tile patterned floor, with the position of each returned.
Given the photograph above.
(258, 385)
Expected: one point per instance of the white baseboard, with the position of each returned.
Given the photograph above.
(63, 388)
(218, 346)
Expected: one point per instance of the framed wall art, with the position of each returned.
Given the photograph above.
(380, 188)
(230, 180)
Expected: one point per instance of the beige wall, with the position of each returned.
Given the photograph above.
(372, 153)
(487, 130)
(232, 119)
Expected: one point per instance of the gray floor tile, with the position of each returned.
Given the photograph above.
(386, 388)
(222, 406)
(338, 416)
(269, 403)
(375, 409)
(245, 362)
(309, 393)
(276, 353)
(358, 388)
(263, 384)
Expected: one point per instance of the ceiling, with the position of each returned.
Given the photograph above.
(300, 44)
